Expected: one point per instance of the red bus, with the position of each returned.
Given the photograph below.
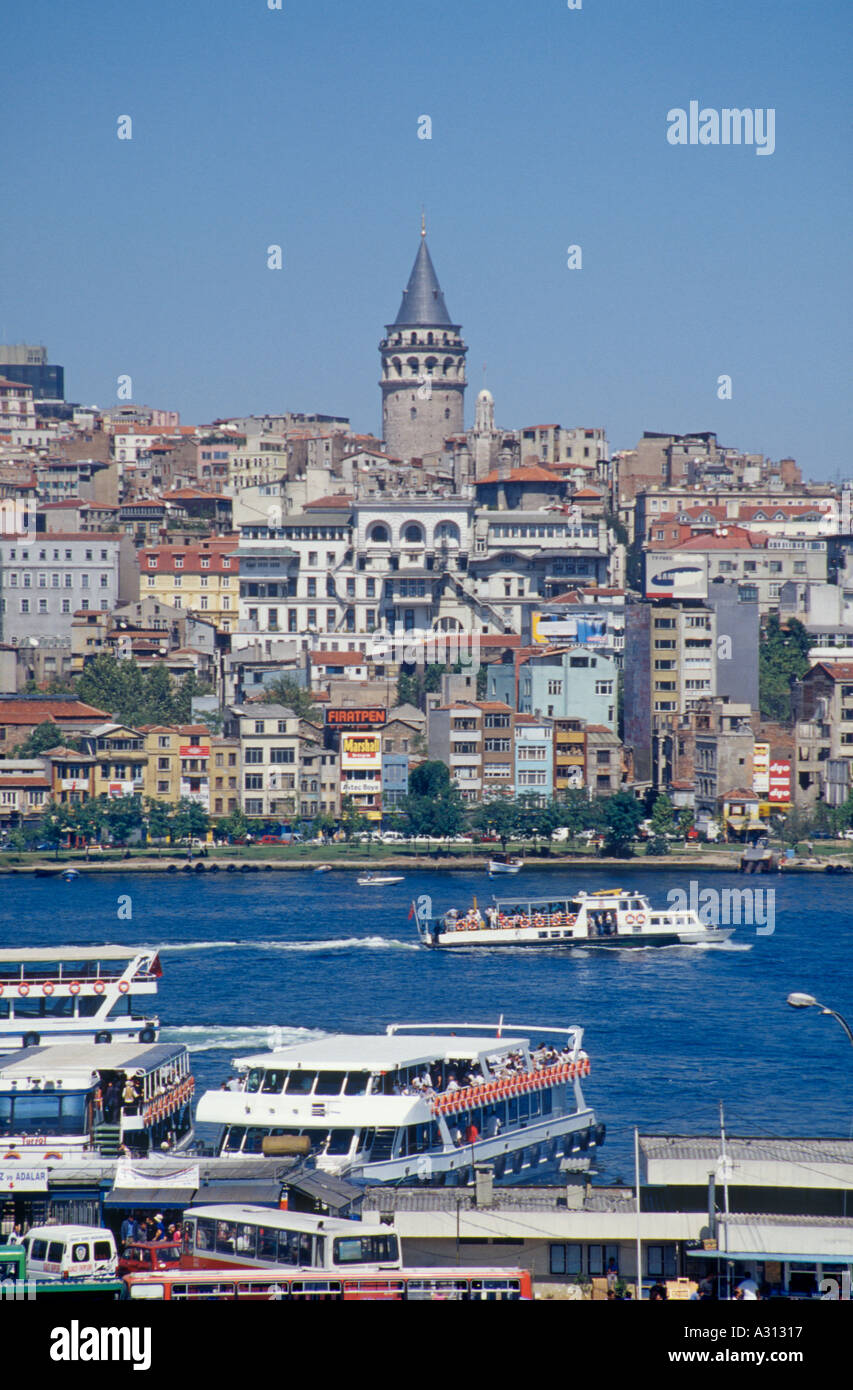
(432, 1285)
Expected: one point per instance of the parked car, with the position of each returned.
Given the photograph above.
(845, 834)
(143, 1256)
(272, 840)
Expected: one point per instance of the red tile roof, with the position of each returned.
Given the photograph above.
(18, 712)
(337, 658)
(529, 473)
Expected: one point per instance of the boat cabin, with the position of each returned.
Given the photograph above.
(86, 1098)
(65, 994)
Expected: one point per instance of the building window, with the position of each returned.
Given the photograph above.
(254, 781)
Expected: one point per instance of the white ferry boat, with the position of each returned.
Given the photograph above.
(57, 994)
(610, 918)
(75, 1101)
(424, 1102)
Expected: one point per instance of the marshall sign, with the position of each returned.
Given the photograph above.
(356, 718)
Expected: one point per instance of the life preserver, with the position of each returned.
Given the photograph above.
(1, 991)
(47, 987)
(74, 987)
(52, 1154)
(538, 920)
(99, 986)
(23, 990)
(123, 987)
(640, 918)
(8, 1156)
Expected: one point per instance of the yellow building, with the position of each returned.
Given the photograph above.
(178, 763)
(200, 577)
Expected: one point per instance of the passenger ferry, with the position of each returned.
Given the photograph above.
(71, 1102)
(60, 994)
(424, 1102)
(610, 918)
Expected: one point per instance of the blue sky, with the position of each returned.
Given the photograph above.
(299, 127)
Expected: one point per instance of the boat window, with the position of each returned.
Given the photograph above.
(4, 1008)
(254, 1079)
(636, 903)
(274, 1082)
(356, 1083)
(40, 1112)
(365, 1140)
(340, 1141)
(44, 1008)
(88, 1005)
(10, 970)
(547, 1102)
(299, 1083)
(329, 1083)
(254, 1139)
(534, 1102)
(356, 1250)
(234, 1139)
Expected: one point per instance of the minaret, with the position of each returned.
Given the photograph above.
(423, 368)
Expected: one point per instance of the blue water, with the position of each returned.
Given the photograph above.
(670, 1032)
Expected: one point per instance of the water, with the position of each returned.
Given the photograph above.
(670, 1031)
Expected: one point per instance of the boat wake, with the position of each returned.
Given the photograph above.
(343, 943)
(201, 1038)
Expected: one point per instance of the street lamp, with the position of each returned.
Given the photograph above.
(808, 1001)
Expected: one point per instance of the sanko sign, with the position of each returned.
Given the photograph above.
(356, 718)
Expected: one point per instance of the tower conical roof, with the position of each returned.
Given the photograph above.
(423, 305)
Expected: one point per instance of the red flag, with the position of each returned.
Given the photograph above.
(411, 913)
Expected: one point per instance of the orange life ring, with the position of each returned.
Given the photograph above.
(2, 987)
(52, 1155)
(640, 918)
(47, 987)
(23, 990)
(7, 1156)
(74, 987)
(99, 986)
(123, 987)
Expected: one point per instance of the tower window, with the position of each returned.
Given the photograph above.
(447, 414)
(413, 413)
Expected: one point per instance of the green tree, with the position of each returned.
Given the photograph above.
(158, 816)
(123, 816)
(782, 659)
(189, 820)
(52, 825)
(433, 805)
(234, 825)
(353, 821)
(43, 737)
(623, 814)
(323, 825)
(158, 702)
(285, 691)
(501, 818)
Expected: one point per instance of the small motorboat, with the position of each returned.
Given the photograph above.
(378, 880)
(504, 864)
(69, 875)
(323, 869)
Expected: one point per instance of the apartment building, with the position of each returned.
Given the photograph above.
(269, 758)
(475, 738)
(198, 576)
(25, 788)
(48, 578)
(120, 759)
(20, 716)
(534, 757)
(759, 563)
(823, 702)
(225, 788)
(178, 762)
(670, 659)
(603, 773)
(569, 682)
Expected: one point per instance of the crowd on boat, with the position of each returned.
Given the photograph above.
(493, 920)
(435, 1081)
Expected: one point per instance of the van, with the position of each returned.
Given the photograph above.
(69, 1252)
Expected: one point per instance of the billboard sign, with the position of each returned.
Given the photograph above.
(761, 769)
(361, 750)
(673, 575)
(356, 718)
(564, 627)
(780, 782)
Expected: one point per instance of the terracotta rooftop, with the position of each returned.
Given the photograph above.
(529, 473)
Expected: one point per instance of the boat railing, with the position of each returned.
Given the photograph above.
(512, 921)
(169, 1101)
(451, 1102)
